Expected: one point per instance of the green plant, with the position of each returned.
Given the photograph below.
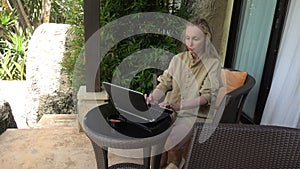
(13, 57)
(33, 9)
(73, 14)
(14, 43)
(111, 10)
(14, 36)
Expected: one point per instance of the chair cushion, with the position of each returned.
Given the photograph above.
(232, 80)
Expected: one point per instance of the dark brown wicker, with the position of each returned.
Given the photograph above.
(103, 136)
(245, 146)
(127, 166)
(102, 161)
(235, 101)
(101, 156)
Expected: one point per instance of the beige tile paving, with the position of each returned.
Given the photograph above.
(45, 149)
(55, 144)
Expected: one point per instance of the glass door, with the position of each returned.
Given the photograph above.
(252, 44)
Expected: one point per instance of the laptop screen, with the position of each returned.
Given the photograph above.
(128, 101)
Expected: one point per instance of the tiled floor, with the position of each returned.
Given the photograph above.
(45, 148)
(56, 144)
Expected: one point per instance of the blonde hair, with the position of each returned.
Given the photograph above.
(203, 25)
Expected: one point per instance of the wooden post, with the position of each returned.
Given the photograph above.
(92, 44)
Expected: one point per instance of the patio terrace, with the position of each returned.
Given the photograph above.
(56, 143)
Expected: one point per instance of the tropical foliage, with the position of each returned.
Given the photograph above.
(18, 19)
(110, 11)
(13, 45)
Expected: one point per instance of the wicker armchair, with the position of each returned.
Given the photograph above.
(235, 101)
(245, 146)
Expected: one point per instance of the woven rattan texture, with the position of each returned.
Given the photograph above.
(245, 146)
(127, 166)
(101, 160)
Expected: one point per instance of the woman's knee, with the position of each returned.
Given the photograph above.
(175, 142)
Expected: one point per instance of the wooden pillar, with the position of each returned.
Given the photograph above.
(92, 44)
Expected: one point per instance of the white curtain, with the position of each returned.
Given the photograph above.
(283, 104)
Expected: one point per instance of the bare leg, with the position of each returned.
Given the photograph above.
(164, 159)
(176, 155)
(181, 142)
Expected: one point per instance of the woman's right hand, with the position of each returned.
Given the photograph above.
(149, 99)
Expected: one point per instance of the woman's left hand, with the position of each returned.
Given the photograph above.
(167, 105)
(175, 107)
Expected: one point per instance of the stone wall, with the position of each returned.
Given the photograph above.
(47, 88)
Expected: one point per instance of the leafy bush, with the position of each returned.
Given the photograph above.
(13, 43)
(33, 9)
(73, 14)
(14, 36)
(111, 10)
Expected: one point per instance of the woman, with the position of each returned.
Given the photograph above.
(190, 83)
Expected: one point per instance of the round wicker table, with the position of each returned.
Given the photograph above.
(103, 136)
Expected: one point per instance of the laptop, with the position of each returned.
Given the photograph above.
(132, 105)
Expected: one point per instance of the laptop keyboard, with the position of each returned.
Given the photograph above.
(151, 115)
(154, 113)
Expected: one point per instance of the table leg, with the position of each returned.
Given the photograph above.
(101, 156)
(105, 153)
(147, 157)
(155, 162)
(157, 150)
